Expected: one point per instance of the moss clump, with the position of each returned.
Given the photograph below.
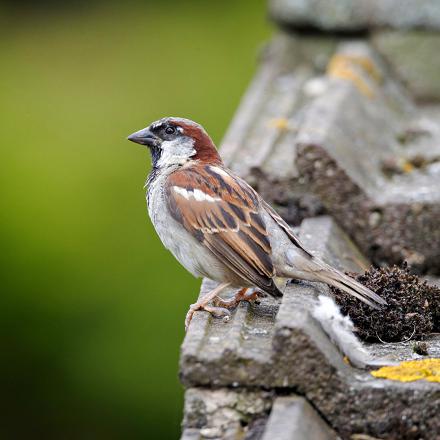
(413, 309)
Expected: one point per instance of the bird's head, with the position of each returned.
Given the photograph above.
(176, 141)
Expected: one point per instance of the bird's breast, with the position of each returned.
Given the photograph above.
(193, 255)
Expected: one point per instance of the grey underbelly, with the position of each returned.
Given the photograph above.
(193, 255)
(198, 260)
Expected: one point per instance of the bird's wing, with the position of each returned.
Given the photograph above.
(223, 213)
(286, 228)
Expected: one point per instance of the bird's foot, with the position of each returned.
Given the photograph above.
(242, 295)
(202, 304)
(219, 312)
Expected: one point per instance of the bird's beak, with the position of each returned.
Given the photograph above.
(145, 137)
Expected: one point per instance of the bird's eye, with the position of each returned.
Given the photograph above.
(170, 130)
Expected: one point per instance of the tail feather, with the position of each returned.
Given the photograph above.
(353, 292)
(314, 269)
(349, 285)
(303, 267)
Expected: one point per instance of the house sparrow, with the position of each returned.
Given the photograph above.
(218, 227)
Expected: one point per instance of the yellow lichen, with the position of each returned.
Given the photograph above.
(281, 124)
(407, 167)
(408, 371)
(346, 67)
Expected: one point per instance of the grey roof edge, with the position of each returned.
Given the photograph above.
(282, 347)
(317, 134)
(231, 414)
(352, 16)
(271, 351)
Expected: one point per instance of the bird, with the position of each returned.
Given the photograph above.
(218, 227)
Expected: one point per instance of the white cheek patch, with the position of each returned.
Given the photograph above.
(176, 152)
(198, 195)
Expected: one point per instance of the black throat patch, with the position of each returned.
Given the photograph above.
(155, 155)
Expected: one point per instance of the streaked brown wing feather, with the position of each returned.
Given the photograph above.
(286, 228)
(222, 212)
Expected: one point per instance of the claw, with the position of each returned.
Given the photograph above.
(202, 304)
(219, 312)
(221, 306)
(241, 295)
(192, 308)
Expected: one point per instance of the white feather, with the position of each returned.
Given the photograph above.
(340, 330)
(219, 171)
(182, 191)
(200, 196)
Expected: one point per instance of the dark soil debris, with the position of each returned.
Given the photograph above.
(421, 348)
(413, 309)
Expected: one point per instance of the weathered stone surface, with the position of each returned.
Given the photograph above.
(292, 418)
(282, 347)
(350, 142)
(225, 414)
(360, 15)
(259, 144)
(391, 217)
(413, 56)
(250, 414)
(333, 245)
(403, 351)
(325, 128)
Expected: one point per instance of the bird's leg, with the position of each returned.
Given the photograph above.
(241, 295)
(202, 304)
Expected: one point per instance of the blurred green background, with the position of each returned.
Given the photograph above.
(92, 306)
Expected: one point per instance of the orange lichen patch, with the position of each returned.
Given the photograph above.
(408, 371)
(346, 67)
(407, 167)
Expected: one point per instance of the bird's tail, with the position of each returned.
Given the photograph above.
(354, 288)
(314, 269)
